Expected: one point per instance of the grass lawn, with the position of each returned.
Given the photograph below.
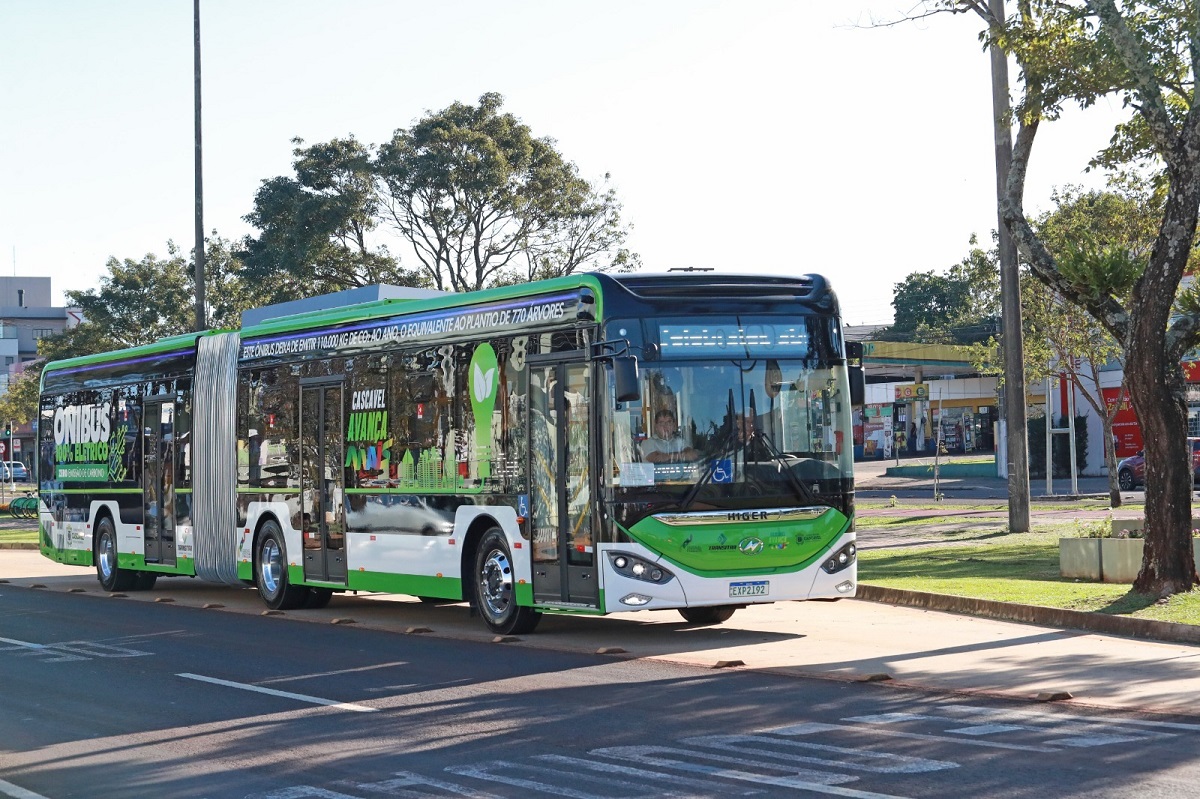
(29, 536)
(1021, 568)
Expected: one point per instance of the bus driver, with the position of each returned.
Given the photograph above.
(666, 445)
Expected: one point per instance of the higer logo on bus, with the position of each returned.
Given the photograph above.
(747, 516)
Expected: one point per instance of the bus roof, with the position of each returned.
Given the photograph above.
(696, 285)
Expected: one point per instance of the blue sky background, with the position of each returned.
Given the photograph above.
(750, 135)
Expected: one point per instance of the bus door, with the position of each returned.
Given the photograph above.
(158, 481)
(564, 555)
(322, 460)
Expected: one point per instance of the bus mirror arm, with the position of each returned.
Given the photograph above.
(624, 368)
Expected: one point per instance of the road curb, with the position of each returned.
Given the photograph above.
(1147, 629)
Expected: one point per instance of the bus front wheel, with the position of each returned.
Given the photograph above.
(271, 571)
(714, 614)
(494, 594)
(104, 552)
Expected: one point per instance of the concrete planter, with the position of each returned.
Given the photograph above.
(1108, 560)
(1139, 524)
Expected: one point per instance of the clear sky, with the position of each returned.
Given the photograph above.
(781, 136)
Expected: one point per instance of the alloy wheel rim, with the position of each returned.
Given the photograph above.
(495, 584)
(106, 555)
(270, 566)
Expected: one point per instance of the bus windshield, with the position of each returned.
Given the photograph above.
(709, 430)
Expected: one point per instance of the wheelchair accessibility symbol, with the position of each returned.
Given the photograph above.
(722, 471)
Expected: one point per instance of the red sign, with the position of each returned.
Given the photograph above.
(1126, 431)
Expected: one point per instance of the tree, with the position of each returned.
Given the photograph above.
(318, 229)
(958, 307)
(481, 200)
(20, 402)
(592, 234)
(1120, 222)
(139, 302)
(1147, 53)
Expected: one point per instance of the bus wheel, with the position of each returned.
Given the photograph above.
(144, 581)
(318, 598)
(494, 593)
(111, 576)
(714, 614)
(270, 571)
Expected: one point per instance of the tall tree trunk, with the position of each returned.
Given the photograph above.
(1157, 392)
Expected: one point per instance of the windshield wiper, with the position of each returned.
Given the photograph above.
(727, 444)
(777, 455)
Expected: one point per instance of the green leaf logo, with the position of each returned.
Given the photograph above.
(483, 386)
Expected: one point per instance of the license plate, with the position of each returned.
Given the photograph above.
(754, 588)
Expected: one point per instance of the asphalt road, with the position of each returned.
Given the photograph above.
(118, 698)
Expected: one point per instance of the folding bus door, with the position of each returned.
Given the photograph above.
(322, 463)
(158, 486)
(564, 555)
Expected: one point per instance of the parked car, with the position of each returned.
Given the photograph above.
(13, 471)
(1131, 472)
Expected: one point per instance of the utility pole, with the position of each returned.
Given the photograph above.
(200, 323)
(1013, 408)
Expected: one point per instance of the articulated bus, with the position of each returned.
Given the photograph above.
(588, 444)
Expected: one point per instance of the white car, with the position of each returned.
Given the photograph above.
(13, 471)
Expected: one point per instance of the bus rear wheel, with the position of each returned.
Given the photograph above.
(271, 571)
(714, 614)
(494, 593)
(104, 553)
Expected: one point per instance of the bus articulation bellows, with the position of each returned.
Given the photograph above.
(589, 444)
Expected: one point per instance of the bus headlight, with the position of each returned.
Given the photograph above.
(636, 568)
(841, 559)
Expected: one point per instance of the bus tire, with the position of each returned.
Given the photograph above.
(104, 554)
(271, 571)
(494, 592)
(713, 614)
(317, 598)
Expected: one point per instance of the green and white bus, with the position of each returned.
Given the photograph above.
(491, 447)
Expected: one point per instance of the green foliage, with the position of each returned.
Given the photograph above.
(960, 306)
(317, 228)
(139, 302)
(482, 201)
(477, 199)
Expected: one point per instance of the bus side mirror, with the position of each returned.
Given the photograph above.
(625, 378)
(858, 386)
(858, 377)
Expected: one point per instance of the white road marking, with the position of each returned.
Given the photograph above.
(1056, 719)
(836, 757)
(23, 644)
(410, 779)
(17, 792)
(800, 779)
(320, 674)
(487, 773)
(312, 700)
(809, 729)
(626, 770)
